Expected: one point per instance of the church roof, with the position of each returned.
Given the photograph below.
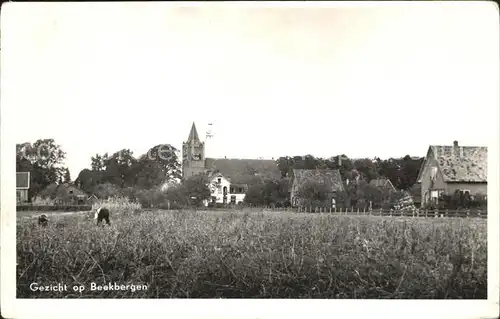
(244, 171)
(193, 135)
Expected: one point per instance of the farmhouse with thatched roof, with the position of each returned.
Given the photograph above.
(331, 179)
(447, 169)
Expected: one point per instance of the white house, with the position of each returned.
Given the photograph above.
(223, 191)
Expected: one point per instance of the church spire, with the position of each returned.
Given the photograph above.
(193, 135)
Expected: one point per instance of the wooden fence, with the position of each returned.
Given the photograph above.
(434, 213)
(429, 213)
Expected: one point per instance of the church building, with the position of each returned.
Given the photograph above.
(235, 174)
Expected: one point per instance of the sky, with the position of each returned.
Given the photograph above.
(380, 80)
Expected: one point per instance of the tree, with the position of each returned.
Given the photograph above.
(196, 189)
(158, 166)
(43, 159)
(313, 193)
(88, 179)
(98, 162)
(106, 190)
(120, 168)
(254, 195)
(67, 175)
(275, 192)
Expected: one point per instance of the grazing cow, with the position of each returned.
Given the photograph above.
(102, 213)
(43, 220)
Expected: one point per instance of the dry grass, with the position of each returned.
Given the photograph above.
(187, 254)
(118, 204)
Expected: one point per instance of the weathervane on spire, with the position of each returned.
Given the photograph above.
(209, 131)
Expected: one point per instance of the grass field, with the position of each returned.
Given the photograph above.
(187, 254)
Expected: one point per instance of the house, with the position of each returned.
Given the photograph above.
(239, 171)
(65, 193)
(450, 168)
(331, 178)
(92, 199)
(225, 192)
(383, 183)
(22, 186)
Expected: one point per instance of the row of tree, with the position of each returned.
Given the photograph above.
(402, 172)
(143, 178)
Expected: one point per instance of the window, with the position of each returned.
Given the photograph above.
(433, 173)
(214, 199)
(241, 190)
(233, 199)
(219, 180)
(231, 190)
(18, 195)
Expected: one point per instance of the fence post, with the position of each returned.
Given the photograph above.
(357, 213)
(426, 213)
(330, 209)
(380, 211)
(467, 213)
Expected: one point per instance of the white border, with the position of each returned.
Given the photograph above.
(18, 308)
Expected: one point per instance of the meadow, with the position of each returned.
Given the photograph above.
(208, 254)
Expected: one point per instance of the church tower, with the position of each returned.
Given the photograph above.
(193, 155)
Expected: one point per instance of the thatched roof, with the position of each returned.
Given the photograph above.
(330, 177)
(461, 163)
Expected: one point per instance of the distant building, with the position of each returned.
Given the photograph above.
(331, 178)
(238, 171)
(383, 183)
(92, 199)
(447, 169)
(22, 186)
(225, 192)
(65, 194)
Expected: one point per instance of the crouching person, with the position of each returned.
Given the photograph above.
(102, 213)
(43, 220)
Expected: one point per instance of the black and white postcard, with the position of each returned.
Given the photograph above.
(250, 160)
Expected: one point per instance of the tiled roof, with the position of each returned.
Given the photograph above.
(243, 171)
(22, 180)
(462, 163)
(331, 178)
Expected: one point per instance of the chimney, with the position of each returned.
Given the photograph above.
(457, 151)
